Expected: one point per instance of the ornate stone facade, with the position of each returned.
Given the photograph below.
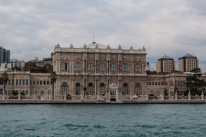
(96, 68)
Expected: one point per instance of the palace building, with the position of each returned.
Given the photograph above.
(96, 66)
(94, 69)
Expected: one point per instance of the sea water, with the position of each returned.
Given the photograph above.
(103, 120)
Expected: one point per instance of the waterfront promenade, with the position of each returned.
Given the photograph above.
(99, 99)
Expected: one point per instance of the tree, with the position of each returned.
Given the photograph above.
(53, 80)
(194, 83)
(16, 68)
(165, 92)
(151, 72)
(4, 78)
(84, 90)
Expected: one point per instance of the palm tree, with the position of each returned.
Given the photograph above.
(4, 79)
(53, 79)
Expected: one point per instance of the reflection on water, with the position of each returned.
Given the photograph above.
(103, 120)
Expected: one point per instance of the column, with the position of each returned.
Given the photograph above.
(147, 97)
(3, 97)
(95, 87)
(82, 97)
(117, 94)
(95, 64)
(65, 96)
(162, 98)
(109, 66)
(19, 95)
(176, 95)
(131, 97)
(202, 95)
(83, 67)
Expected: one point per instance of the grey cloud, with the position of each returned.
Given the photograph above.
(198, 6)
(32, 28)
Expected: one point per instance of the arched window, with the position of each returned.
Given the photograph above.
(77, 89)
(90, 89)
(137, 89)
(137, 68)
(113, 92)
(113, 67)
(102, 89)
(63, 66)
(77, 66)
(102, 67)
(64, 88)
(125, 67)
(90, 66)
(42, 95)
(125, 89)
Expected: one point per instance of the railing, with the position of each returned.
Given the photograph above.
(166, 97)
(89, 97)
(182, 97)
(196, 97)
(76, 98)
(126, 97)
(11, 97)
(100, 97)
(60, 97)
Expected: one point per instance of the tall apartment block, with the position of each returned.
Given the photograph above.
(187, 63)
(165, 64)
(4, 55)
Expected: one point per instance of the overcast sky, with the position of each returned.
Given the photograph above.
(31, 28)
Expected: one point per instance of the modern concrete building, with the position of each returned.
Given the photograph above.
(187, 63)
(4, 55)
(165, 64)
(17, 63)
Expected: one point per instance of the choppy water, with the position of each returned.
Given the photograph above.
(103, 120)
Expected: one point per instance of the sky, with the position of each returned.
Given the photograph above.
(171, 27)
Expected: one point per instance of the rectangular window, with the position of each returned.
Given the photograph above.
(152, 83)
(40, 82)
(37, 82)
(12, 82)
(149, 83)
(16, 81)
(90, 67)
(9, 82)
(26, 81)
(23, 82)
(44, 82)
(30, 82)
(102, 67)
(47, 82)
(20, 82)
(26, 92)
(64, 66)
(33, 82)
(183, 83)
(77, 66)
